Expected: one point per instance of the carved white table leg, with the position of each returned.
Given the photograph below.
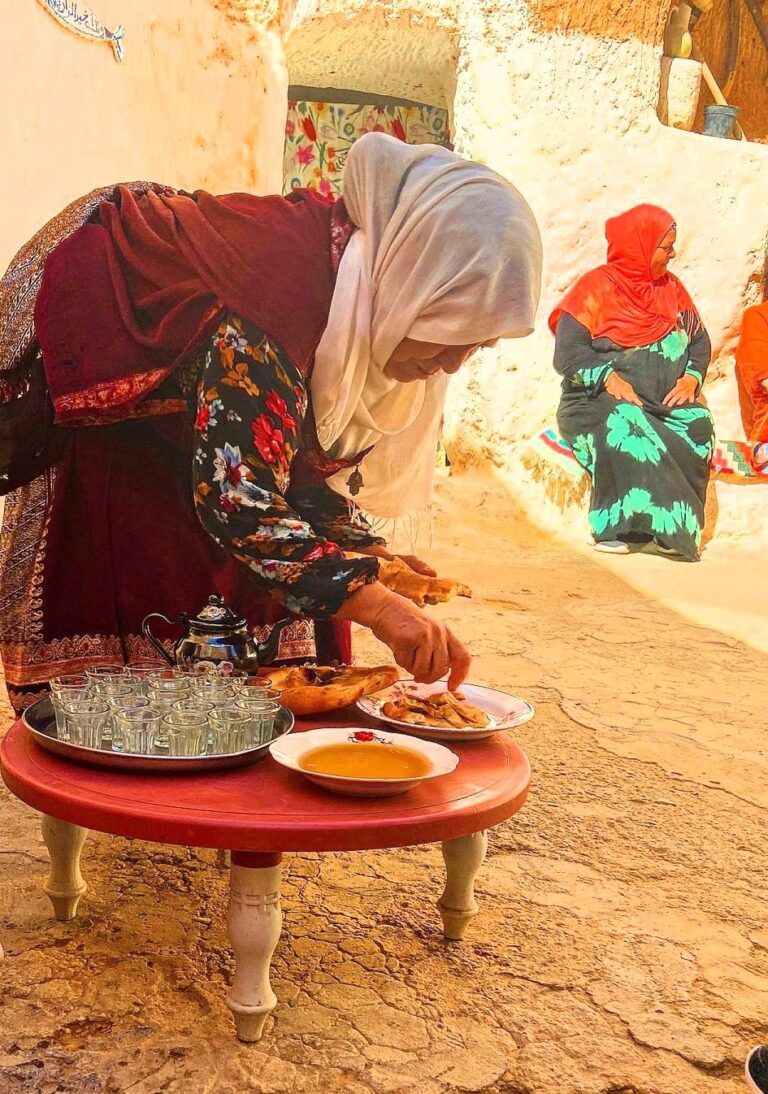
(65, 883)
(463, 858)
(254, 924)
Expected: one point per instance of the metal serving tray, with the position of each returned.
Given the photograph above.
(41, 723)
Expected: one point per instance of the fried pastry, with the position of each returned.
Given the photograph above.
(315, 689)
(400, 578)
(444, 709)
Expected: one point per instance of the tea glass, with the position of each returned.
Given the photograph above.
(230, 730)
(231, 675)
(186, 732)
(73, 682)
(163, 673)
(190, 704)
(114, 693)
(196, 668)
(121, 702)
(263, 713)
(85, 720)
(213, 689)
(63, 688)
(141, 670)
(166, 692)
(203, 707)
(137, 728)
(259, 690)
(99, 675)
(163, 694)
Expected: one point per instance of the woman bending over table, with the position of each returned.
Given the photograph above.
(224, 380)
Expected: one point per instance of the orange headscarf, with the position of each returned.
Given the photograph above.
(621, 300)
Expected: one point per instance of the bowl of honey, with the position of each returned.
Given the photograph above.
(363, 762)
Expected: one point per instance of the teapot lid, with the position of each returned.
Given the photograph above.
(217, 616)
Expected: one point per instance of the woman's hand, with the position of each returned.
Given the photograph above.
(411, 561)
(417, 565)
(683, 392)
(621, 390)
(421, 645)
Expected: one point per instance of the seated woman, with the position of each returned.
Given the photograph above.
(224, 374)
(752, 378)
(633, 355)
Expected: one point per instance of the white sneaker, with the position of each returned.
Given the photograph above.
(612, 547)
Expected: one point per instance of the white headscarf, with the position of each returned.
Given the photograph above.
(448, 252)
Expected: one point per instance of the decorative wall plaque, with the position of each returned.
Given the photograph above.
(81, 20)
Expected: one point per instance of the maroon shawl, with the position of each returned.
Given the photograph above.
(123, 299)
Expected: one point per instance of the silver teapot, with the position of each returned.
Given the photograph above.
(216, 634)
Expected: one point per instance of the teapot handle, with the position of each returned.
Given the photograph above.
(147, 632)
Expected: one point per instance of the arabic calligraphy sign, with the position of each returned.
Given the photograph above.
(76, 17)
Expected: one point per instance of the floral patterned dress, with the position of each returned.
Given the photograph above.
(290, 529)
(649, 465)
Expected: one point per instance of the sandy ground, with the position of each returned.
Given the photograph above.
(622, 946)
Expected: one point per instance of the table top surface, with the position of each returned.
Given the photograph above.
(265, 807)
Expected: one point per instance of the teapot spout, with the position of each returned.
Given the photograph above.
(267, 651)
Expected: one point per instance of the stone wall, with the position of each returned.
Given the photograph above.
(386, 49)
(199, 101)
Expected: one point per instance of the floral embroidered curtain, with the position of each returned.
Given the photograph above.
(319, 134)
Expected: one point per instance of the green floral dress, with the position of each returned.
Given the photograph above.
(649, 465)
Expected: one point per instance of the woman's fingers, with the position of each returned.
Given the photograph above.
(460, 659)
(439, 659)
(421, 663)
(418, 566)
(439, 666)
(683, 392)
(433, 657)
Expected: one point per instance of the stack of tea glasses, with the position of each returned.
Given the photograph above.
(149, 708)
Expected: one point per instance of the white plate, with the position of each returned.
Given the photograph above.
(506, 711)
(289, 750)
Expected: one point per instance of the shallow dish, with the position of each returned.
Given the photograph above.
(41, 723)
(288, 751)
(506, 711)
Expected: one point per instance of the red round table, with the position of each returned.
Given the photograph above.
(258, 812)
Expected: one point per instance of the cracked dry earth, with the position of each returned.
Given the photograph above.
(622, 941)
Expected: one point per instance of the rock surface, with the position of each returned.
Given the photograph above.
(622, 941)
